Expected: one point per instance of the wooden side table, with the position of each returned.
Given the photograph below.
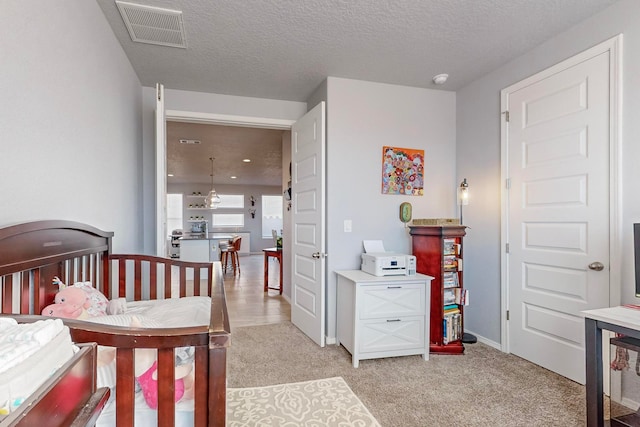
(272, 253)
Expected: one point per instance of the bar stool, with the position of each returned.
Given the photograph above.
(230, 254)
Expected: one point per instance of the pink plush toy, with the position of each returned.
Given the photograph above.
(146, 373)
(149, 384)
(69, 303)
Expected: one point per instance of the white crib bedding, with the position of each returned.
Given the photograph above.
(174, 312)
(168, 313)
(48, 346)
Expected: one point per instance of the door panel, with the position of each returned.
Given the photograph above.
(558, 208)
(308, 196)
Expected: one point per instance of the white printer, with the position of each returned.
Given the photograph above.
(388, 264)
(376, 261)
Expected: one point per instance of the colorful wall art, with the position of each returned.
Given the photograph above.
(402, 171)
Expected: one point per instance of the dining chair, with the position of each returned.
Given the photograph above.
(229, 254)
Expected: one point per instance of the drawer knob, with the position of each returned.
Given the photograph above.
(393, 320)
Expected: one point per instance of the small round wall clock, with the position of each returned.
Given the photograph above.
(405, 212)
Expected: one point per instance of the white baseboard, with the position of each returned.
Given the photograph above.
(632, 404)
(486, 341)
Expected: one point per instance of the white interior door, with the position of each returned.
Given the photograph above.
(308, 218)
(558, 207)
(161, 174)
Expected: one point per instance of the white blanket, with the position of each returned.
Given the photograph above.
(29, 355)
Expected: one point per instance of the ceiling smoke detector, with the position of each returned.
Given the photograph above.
(189, 141)
(440, 79)
(153, 25)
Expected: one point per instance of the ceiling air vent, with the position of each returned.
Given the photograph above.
(153, 25)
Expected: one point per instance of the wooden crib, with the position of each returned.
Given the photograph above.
(31, 254)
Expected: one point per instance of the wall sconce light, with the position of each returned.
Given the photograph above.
(252, 212)
(252, 200)
(463, 196)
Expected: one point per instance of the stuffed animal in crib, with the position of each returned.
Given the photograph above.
(95, 303)
(69, 303)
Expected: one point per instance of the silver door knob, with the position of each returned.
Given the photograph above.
(597, 266)
(316, 255)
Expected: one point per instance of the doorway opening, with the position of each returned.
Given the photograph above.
(227, 138)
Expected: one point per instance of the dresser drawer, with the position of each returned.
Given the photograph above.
(392, 300)
(383, 335)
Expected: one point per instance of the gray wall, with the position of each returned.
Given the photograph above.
(478, 158)
(363, 117)
(70, 124)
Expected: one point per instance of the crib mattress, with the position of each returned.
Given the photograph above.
(25, 376)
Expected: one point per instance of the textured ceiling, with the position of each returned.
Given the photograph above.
(228, 145)
(283, 49)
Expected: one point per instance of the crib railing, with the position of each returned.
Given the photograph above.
(138, 277)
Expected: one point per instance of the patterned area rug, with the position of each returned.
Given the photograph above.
(326, 402)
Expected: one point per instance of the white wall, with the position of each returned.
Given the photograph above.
(70, 124)
(478, 126)
(197, 102)
(362, 117)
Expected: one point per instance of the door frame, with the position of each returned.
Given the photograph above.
(212, 119)
(614, 47)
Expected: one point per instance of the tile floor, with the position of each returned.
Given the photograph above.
(247, 303)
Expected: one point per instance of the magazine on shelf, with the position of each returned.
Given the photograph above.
(450, 279)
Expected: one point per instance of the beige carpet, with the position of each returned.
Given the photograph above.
(325, 402)
(483, 387)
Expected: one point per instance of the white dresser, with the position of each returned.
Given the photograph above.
(383, 316)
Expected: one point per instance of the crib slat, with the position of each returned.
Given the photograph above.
(217, 386)
(24, 294)
(137, 274)
(104, 271)
(125, 387)
(196, 282)
(94, 263)
(38, 293)
(200, 387)
(153, 280)
(166, 387)
(167, 280)
(183, 281)
(122, 278)
(7, 293)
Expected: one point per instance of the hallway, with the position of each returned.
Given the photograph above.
(247, 303)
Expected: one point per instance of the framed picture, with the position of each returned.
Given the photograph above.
(402, 171)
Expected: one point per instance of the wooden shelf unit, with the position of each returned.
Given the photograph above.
(428, 246)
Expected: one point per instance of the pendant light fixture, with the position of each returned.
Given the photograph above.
(212, 200)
